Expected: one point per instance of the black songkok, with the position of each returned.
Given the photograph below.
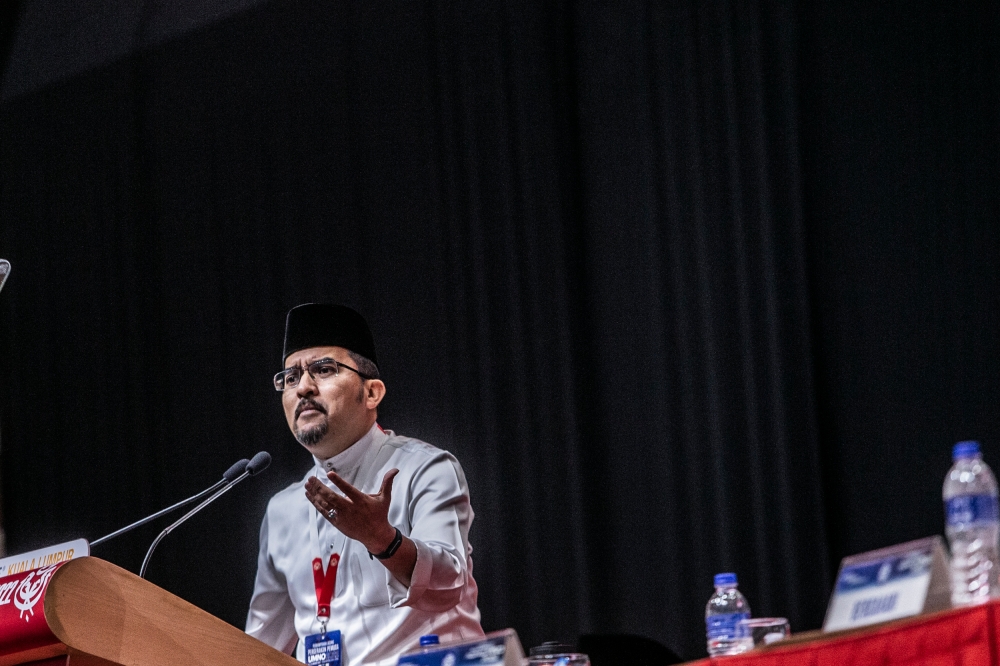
(326, 325)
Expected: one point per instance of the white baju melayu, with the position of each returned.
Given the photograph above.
(378, 617)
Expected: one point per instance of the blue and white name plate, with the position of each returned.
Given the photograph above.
(499, 647)
(888, 584)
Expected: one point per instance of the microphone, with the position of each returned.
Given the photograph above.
(256, 465)
(4, 271)
(227, 477)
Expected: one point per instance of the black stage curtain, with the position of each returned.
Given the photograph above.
(687, 287)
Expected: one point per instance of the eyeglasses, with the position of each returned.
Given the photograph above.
(323, 370)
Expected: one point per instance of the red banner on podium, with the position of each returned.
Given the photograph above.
(22, 611)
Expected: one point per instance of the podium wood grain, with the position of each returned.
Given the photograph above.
(103, 614)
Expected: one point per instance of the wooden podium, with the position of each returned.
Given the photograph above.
(89, 612)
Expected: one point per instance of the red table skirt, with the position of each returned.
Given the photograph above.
(960, 637)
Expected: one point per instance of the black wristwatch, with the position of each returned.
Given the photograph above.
(391, 550)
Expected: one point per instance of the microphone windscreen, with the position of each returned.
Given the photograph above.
(238, 468)
(259, 463)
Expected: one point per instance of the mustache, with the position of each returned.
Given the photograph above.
(307, 403)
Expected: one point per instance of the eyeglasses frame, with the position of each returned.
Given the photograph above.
(325, 360)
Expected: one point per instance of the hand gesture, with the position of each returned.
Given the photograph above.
(357, 515)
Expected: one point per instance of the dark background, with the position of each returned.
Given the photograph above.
(687, 287)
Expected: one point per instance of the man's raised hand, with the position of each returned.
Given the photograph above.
(357, 515)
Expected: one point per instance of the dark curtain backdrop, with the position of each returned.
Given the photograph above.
(687, 287)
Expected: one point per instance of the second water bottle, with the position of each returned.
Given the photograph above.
(972, 523)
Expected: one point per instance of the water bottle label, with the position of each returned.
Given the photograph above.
(724, 624)
(966, 510)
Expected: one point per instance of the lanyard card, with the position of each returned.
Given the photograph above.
(323, 649)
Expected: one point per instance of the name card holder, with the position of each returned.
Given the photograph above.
(43, 557)
(499, 647)
(891, 583)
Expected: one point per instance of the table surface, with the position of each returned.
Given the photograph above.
(956, 637)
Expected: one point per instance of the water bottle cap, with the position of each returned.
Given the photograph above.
(967, 449)
(429, 639)
(725, 579)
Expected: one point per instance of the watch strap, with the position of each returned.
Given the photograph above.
(391, 550)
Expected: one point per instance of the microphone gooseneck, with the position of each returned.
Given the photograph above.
(227, 477)
(256, 465)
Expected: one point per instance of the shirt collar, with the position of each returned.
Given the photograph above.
(347, 461)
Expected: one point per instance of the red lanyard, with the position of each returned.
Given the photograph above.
(325, 584)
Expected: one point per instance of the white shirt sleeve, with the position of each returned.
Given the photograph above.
(439, 514)
(271, 617)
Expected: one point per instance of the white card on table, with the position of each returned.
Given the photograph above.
(888, 584)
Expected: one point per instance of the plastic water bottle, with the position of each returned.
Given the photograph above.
(724, 610)
(972, 523)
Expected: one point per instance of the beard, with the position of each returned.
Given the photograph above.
(312, 435)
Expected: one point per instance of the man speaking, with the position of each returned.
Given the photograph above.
(371, 549)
